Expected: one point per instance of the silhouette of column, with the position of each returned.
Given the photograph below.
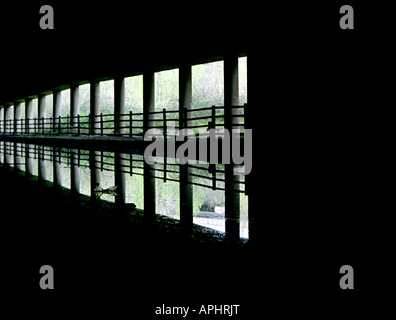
(74, 106)
(7, 118)
(57, 167)
(231, 98)
(119, 104)
(94, 159)
(28, 161)
(119, 178)
(148, 106)
(57, 98)
(41, 112)
(95, 107)
(75, 172)
(28, 114)
(185, 103)
(41, 164)
(17, 117)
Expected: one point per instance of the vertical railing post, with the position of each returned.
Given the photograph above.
(101, 124)
(130, 123)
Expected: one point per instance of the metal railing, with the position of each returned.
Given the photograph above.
(129, 124)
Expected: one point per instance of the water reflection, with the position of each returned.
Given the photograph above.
(83, 170)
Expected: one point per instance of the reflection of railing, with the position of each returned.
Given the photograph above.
(128, 124)
(204, 175)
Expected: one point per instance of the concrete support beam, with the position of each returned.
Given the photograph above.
(185, 103)
(57, 98)
(74, 106)
(95, 107)
(28, 115)
(231, 98)
(75, 172)
(94, 160)
(41, 112)
(119, 178)
(148, 106)
(119, 104)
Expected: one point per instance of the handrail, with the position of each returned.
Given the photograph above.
(127, 124)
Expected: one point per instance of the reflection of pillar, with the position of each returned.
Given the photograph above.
(119, 105)
(231, 98)
(41, 164)
(95, 107)
(17, 156)
(74, 106)
(28, 161)
(74, 172)
(57, 167)
(6, 150)
(148, 106)
(28, 115)
(41, 113)
(119, 178)
(185, 101)
(57, 98)
(94, 160)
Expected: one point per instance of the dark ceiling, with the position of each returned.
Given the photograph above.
(99, 39)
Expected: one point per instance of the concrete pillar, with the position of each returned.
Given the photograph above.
(57, 167)
(57, 98)
(74, 106)
(94, 160)
(231, 98)
(185, 103)
(28, 115)
(148, 106)
(28, 161)
(41, 112)
(119, 178)
(74, 172)
(119, 105)
(95, 107)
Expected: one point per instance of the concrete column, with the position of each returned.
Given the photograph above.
(28, 161)
(148, 106)
(94, 160)
(185, 103)
(28, 115)
(57, 98)
(74, 172)
(95, 106)
(231, 98)
(119, 104)
(74, 106)
(41, 112)
(57, 167)
(119, 178)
